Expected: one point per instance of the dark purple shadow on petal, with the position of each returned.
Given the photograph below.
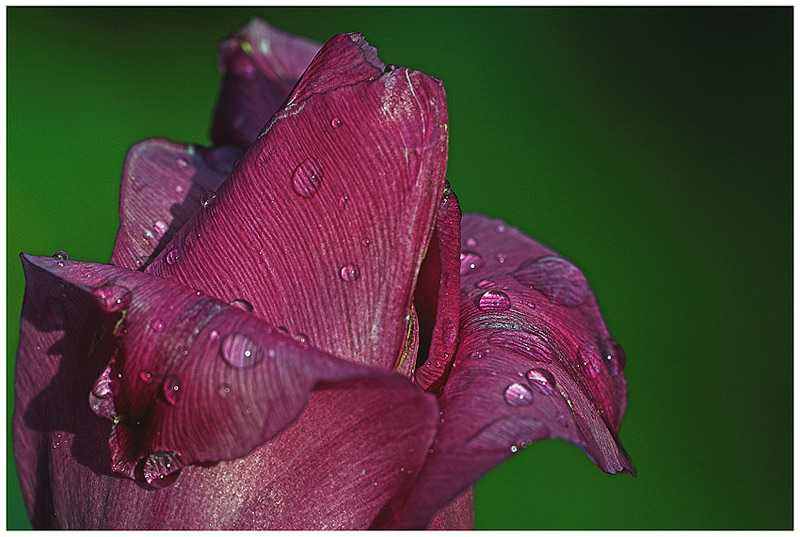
(159, 432)
(161, 187)
(437, 298)
(528, 367)
(260, 66)
(323, 225)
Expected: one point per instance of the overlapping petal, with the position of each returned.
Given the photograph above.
(534, 361)
(188, 380)
(324, 223)
(162, 185)
(260, 65)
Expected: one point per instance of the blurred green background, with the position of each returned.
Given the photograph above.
(651, 146)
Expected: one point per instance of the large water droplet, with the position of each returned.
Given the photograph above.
(171, 389)
(240, 351)
(470, 261)
(518, 395)
(113, 297)
(336, 122)
(349, 273)
(588, 361)
(172, 257)
(101, 398)
(494, 301)
(242, 304)
(542, 380)
(160, 226)
(60, 256)
(612, 354)
(161, 469)
(306, 178)
(528, 344)
(207, 199)
(555, 277)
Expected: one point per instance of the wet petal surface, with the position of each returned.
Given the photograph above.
(324, 223)
(534, 361)
(162, 186)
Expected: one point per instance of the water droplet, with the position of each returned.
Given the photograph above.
(555, 277)
(207, 199)
(160, 226)
(528, 344)
(60, 255)
(224, 391)
(588, 361)
(302, 340)
(171, 389)
(518, 395)
(343, 201)
(161, 469)
(476, 355)
(494, 301)
(543, 380)
(240, 351)
(157, 326)
(336, 122)
(501, 258)
(349, 273)
(101, 398)
(113, 297)
(182, 163)
(306, 178)
(179, 189)
(145, 376)
(612, 354)
(483, 284)
(470, 261)
(365, 243)
(501, 227)
(471, 242)
(214, 335)
(172, 257)
(242, 304)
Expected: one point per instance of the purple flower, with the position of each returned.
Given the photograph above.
(298, 329)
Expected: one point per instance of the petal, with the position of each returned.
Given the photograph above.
(459, 514)
(437, 298)
(362, 423)
(534, 361)
(324, 223)
(162, 184)
(261, 65)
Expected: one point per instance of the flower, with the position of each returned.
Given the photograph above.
(306, 334)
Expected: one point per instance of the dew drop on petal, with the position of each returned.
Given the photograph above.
(476, 355)
(365, 243)
(161, 469)
(349, 273)
(470, 261)
(242, 304)
(171, 389)
(501, 258)
(306, 178)
(224, 390)
(542, 380)
(172, 257)
(239, 351)
(101, 398)
(494, 301)
(500, 227)
(113, 297)
(157, 325)
(60, 255)
(471, 242)
(612, 354)
(336, 122)
(145, 375)
(343, 201)
(160, 226)
(179, 189)
(207, 199)
(181, 162)
(518, 395)
(214, 335)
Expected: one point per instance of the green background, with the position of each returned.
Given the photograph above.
(652, 147)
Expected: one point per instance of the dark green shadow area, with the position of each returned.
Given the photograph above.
(652, 147)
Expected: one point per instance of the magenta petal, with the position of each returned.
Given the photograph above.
(261, 65)
(232, 393)
(534, 361)
(162, 185)
(323, 225)
(437, 297)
